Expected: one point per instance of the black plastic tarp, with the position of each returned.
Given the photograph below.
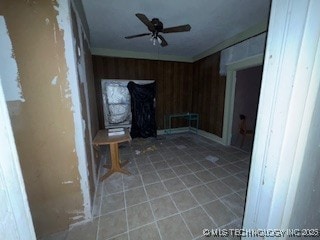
(143, 110)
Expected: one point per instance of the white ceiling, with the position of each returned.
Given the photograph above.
(212, 22)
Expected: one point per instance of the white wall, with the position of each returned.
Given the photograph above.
(8, 66)
(251, 47)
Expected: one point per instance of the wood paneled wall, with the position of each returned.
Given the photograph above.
(181, 87)
(208, 94)
(173, 79)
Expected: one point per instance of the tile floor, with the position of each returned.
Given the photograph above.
(174, 191)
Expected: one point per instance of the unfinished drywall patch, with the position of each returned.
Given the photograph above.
(54, 80)
(67, 182)
(8, 67)
(44, 124)
(64, 24)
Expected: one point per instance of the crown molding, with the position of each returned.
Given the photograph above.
(138, 55)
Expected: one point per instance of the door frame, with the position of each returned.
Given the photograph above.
(290, 86)
(231, 79)
(19, 221)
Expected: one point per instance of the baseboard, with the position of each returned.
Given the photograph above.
(202, 133)
(208, 135)
(76, 224)
(173, 130)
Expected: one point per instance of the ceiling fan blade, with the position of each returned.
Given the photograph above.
(182, 28)
(163, 41)
(146, 21)
(138, 35)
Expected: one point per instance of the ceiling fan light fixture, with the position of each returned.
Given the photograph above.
(155, 26)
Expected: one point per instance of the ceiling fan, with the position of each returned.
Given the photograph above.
(155, 26)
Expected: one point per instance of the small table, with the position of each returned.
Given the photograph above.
(102, 138)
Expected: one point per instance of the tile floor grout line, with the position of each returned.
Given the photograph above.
(125, 207)
(101, 198)
(228, 207)
(176, 205)
(198, 201)
(244, 199)
(220, 199)
(174, 192)
(201, 205)
(178, 176)
(179, 212)
(149, 201)
(117, 235)
(160, 219)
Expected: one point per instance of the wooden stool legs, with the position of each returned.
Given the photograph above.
(116, 166)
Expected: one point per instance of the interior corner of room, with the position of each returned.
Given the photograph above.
(54, 76)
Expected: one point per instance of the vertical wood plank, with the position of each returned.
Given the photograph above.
(181, 87)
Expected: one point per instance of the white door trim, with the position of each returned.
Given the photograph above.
(290, 85)
(230, 93)
(15, 219)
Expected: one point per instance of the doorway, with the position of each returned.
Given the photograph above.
(245, 106)
(232, 70)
